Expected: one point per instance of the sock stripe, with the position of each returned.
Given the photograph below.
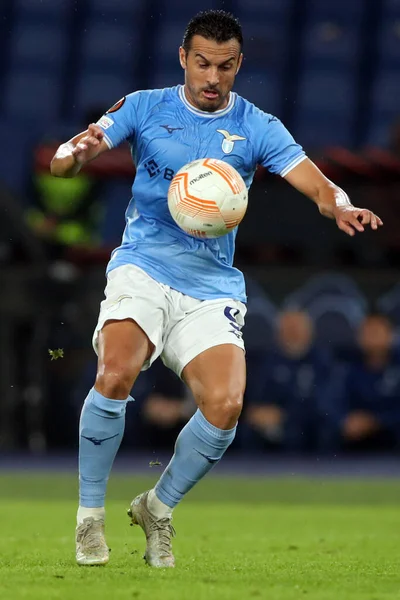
(209, 428)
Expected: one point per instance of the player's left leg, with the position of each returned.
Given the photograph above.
(204, 346)
(217, 380)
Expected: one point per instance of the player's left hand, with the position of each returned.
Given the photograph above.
(351, 219)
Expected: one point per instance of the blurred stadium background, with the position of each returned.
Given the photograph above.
(324, 376)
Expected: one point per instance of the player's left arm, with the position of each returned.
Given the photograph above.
(331, 200)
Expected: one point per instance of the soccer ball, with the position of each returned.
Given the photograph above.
(207, 198)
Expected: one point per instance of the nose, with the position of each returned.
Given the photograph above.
(213, 77)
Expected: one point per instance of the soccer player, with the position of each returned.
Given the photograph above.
(172, 295)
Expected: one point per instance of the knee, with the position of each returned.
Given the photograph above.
(223, 407)
(115, 380)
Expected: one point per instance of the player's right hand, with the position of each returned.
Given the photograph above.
(88, 146)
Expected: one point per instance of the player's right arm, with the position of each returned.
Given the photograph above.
(81, 149)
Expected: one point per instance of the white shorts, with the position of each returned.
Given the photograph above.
(179, 326)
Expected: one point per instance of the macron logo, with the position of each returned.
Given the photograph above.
(97, 442)
(171, 129)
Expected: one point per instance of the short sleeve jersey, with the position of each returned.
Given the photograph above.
(165, 132)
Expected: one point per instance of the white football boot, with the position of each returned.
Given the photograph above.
(91, 547)
(158, 533)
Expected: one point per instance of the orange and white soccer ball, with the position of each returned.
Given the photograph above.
(207, 198)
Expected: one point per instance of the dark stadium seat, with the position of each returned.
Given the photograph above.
(324, 284)
(109, 45)
(384, 109)
(391, 8)
(33, 95)
(378, 133)
(266, 45)
(100, 90)
(16, 162)
(389, 304)
(350, 11)
(389, 44)
(33, 45)
(330, 91)
(325, 108)
(329, 43)
(385, 89)
(55, 10)
(117, 8)
(329, 66)
(336, 320)
(262, 10)
(263, 89)
(178, 12)
(166, 45)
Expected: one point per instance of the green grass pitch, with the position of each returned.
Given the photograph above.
(244, 539)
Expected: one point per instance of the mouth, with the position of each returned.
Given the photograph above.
(211, 94)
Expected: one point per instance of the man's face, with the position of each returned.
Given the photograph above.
(375, 335)
(295, 332)
(210, 70)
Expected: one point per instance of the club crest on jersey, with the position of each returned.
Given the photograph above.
(229, 140)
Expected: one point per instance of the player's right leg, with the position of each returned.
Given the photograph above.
(128, 337)
(123, 347)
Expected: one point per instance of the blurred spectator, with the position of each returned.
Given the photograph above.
(65, 212)
(285, 387)
(364, 409)
(260, 322)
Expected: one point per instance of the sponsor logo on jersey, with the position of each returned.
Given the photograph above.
(116, 106)
(171, 129)
(105, 122)
(229, 140)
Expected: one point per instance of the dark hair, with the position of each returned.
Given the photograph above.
(216, 25)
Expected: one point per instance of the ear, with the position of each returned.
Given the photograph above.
(182, 57)
(239, 63)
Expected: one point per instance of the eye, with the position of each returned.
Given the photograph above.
(226, 67)
(202, 65)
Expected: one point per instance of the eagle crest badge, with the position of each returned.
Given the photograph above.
(229, 140)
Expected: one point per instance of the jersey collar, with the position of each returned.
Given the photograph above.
(205, 113)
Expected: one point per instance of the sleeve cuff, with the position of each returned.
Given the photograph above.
(293, 164)
(108, 141)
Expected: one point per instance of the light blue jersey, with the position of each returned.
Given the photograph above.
(165, 132)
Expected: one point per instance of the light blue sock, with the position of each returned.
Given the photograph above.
(200, 445)
(101, 430)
